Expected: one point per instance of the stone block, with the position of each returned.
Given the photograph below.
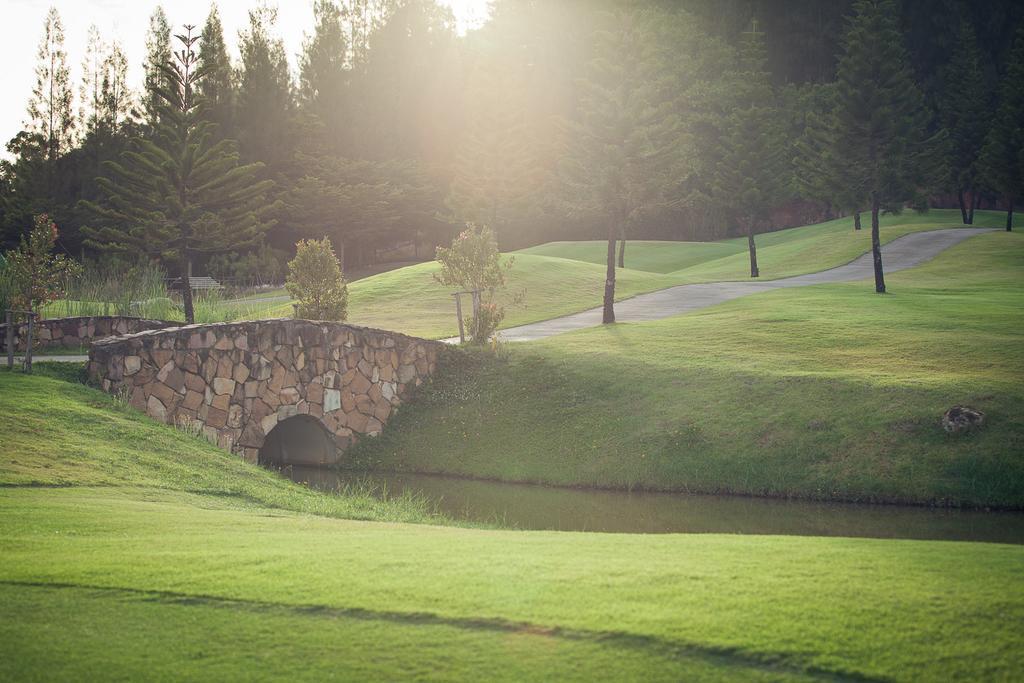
(223, 385)
(132, 364)
(194, 383)
(289, 396)
(193, 399)
(216, 417)
(332, 399)
(221, 401)
(155, 409)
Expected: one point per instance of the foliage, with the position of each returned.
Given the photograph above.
(474, 264)
(1003, 154)
(113, 286)
(263, 265)
(877, 133)
(180, 193)
(50, 109)
(38, 276)
(217, 87)
(965, 112)
(316, 283)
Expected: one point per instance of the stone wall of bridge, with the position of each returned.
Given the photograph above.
(237, 381)
(76, 332)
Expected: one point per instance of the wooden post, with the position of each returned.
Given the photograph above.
(10, 340)
(27, 365)
(458, 312)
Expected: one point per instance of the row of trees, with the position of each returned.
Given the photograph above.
(554, 120)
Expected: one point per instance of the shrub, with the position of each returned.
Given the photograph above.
(316, 283)
(473, 264)
(37, 275)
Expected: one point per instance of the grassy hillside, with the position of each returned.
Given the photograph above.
(410, 301)
(567, 277)
(828, 392)
(117, 530)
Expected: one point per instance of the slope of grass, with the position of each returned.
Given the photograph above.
(57, 433)
(131, 551)
(410, 300)
(824, 392)
(655, 256)
(561, 278)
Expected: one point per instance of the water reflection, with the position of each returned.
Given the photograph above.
(527, 506)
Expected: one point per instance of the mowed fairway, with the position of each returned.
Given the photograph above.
(157, 574)
(828, 392)
(560, 278)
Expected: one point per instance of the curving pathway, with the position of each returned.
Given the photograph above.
(899, 254)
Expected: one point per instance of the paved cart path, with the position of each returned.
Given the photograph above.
(901, 253)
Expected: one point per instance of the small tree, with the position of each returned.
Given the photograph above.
(473, 263)
(38, 276)
(316, 282)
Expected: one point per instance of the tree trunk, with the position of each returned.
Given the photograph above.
(876, 249)
(975, 203)
(856, 220)
(752, 248)
(186, 293)
(622, 249)
(609, 282)
(1009, 213)
(963, 206)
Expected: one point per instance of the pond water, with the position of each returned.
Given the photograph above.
(529, 506)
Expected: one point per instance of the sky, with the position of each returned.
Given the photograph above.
(127, 21)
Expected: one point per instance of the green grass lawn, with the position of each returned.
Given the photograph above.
(130, 550)
(829, 391)
(561, 278)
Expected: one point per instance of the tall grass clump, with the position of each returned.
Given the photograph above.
(112, 288)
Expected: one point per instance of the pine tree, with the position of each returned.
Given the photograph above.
(265, 101)
(627, 149)
(217, 87)
(178, 193)
(115, 94)
(49, 110)
(496, 176)
(158, 55)
(819, 174)
(1002, 158)
(90, 93)
(964, 110)
(750, 179)
(323, 77)
(878, 131)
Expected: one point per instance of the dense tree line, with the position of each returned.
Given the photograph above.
(685, 119)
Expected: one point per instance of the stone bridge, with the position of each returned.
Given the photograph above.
(274, 391)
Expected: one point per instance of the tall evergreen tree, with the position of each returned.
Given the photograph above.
(323, 76)
(751, 176)
(178, 193)
(1003, 155)
(49, 109)
(496, 175)
(115, 92)
(265, 99)
(964, 108)
(90, 93)
(158, 55)
(217, 87)
(878, 131)
(627, 149)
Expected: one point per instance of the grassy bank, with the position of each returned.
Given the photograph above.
(824, 392)
(130, 550)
